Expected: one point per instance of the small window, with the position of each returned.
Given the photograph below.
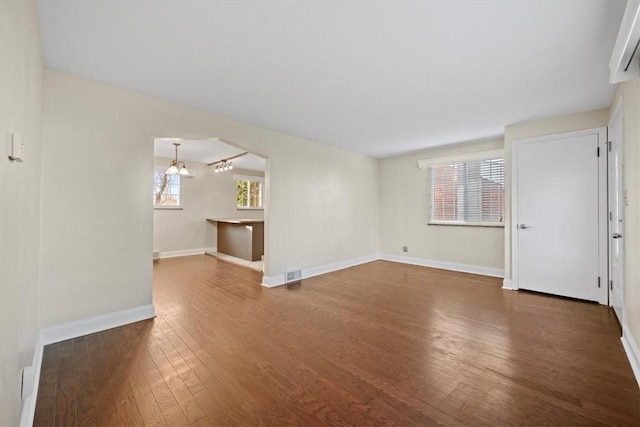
(166, 189)
(467, 192)
(249, 192)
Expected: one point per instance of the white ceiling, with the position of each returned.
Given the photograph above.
(207, 151)
(380, 78)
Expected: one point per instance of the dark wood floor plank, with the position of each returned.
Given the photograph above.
(66, 401)
(46, 402)
(86, 411)
(377, 344)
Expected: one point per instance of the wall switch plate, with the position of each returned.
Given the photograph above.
(16, 147)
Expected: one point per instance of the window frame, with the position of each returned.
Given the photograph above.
(462, 158)
(250, 178)
(179, 206)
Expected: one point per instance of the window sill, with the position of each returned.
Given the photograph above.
(168, 208)
(242, 208)
(468, 224)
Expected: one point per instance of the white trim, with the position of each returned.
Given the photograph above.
(186, 252)
(29, 405)
(479, 155)
(618, 111)
(273, 281)
(467, 224)
(90, 325)
(624, 47)
(506, 284)
(443, 265)
(603, 270)
(74, 329)
(632, 350)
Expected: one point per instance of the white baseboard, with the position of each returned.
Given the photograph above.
(453, 266)
(185, 252)
(508, 285)
(74, 329)
(273, 281)
(632, 350)
(90, 325)
(29, 404)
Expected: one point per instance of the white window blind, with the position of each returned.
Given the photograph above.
(467, 192)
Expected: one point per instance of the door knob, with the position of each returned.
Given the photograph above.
(523, 226)
(617, 236)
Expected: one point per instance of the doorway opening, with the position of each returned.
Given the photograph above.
(559, 212)
(212, 202)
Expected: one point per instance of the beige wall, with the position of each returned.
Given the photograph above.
(97, 237)
(630, 92)
(20, 112)
(404, 215)
(574, 122)
(207, 195)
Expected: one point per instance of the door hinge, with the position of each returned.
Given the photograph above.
(608, 145)
(598, 151)
(611, 284)
(610, 216)
(598, 281)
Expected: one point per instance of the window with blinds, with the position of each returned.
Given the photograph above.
(467, 192)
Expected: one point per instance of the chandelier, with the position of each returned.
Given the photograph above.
(177, 167)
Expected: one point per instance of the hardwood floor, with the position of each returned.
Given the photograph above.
(377, 344)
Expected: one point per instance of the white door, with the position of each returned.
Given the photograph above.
(557, 216)
(616, 209)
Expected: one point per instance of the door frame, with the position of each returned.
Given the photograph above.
(618, 111)
(603, 242)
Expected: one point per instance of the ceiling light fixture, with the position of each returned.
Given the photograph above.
(177, 167)
(225, 164)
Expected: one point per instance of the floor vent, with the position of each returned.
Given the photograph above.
(292, 276)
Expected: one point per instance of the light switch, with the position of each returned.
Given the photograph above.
(16, 147)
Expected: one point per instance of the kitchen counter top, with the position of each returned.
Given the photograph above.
(235, 220)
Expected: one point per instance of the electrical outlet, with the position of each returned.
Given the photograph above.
(405, 249)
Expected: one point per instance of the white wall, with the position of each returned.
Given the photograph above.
(20, 112)
(574, 122)
(207, 195)
(630, 91)
(97, 237)
(404, 215)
